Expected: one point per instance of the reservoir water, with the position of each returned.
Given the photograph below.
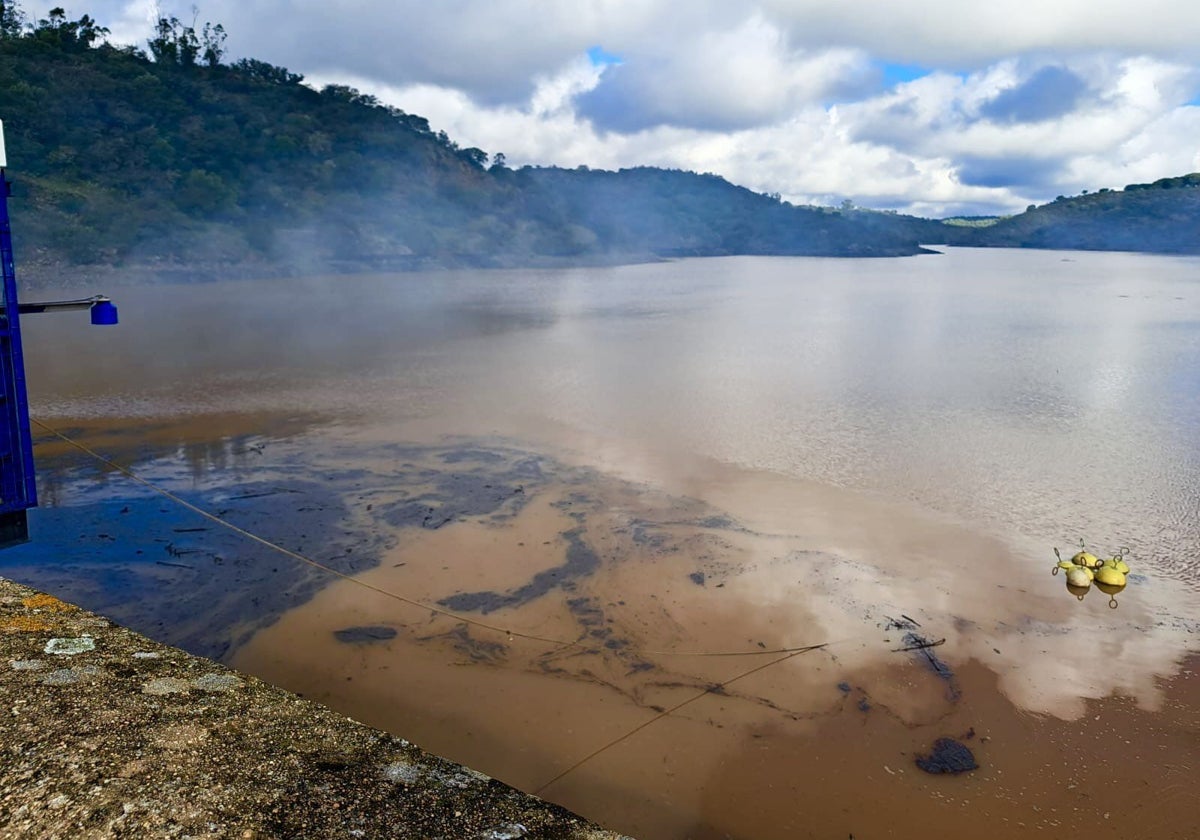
(652, 540)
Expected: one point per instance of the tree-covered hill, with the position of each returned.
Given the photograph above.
(119, 158)
(171, 161)
(1163, 217)
(672, 213)
(176, 162)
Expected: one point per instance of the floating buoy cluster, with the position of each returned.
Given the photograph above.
(1086, 568)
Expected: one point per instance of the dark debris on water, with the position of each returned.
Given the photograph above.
(948, 756)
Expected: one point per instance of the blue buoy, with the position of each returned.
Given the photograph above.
(104, 313)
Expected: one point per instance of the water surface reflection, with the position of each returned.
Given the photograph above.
(712, 455)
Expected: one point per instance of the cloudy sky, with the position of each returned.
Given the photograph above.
(929, 106)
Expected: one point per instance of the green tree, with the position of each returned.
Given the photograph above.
(12, 19)
(261, 71)
(177, 43)
(213, 41)
(69, 35)
(476, 157)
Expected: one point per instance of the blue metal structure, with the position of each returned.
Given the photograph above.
(18, 490)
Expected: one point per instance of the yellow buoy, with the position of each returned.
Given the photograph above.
(1080, 577)
(1110, 576)
(1087, 559)
(1117, 563)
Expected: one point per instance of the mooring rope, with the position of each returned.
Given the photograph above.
(666, 712)
(295, 555)
(784, 654)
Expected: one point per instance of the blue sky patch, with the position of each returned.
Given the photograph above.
(894, 74)
(600, 56)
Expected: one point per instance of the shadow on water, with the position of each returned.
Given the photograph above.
(115, 546)
(118, 547)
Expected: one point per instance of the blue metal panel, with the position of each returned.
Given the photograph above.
(18, 490)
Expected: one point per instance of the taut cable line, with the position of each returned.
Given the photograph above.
(396, 596)
(667, 712)
(784, 654)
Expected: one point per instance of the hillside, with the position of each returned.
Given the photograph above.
(187, 166)
(1162, 217)
(174, 163)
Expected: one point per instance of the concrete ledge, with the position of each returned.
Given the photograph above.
(105, 733)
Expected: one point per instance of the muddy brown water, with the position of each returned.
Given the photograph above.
(537, 504)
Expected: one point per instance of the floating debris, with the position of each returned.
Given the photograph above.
(923, 647)
(948, 756)
(922, 644)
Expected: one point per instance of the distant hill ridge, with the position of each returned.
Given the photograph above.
(1163, 216)
(175, 163)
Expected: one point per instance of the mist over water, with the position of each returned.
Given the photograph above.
(1054, 393)
(772, 449)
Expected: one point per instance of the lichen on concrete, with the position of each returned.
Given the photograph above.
(132, 739)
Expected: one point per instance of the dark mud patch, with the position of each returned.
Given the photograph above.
(467, 454)
(153, 565)
(460, 497)
(477, 650)
(596, 625)
(658, 536)
(494, 486)
(718, 523)
(119, 548)
(580, 561)
(651, 535)
(365, 635)
(948, 756)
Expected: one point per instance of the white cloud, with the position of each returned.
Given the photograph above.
(493, 48)
(925, 147)
(1023, 100)
(746, 75)
(971, 35)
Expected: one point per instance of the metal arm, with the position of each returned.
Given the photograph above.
(104, 312)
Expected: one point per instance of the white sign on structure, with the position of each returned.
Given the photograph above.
(3, 160)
